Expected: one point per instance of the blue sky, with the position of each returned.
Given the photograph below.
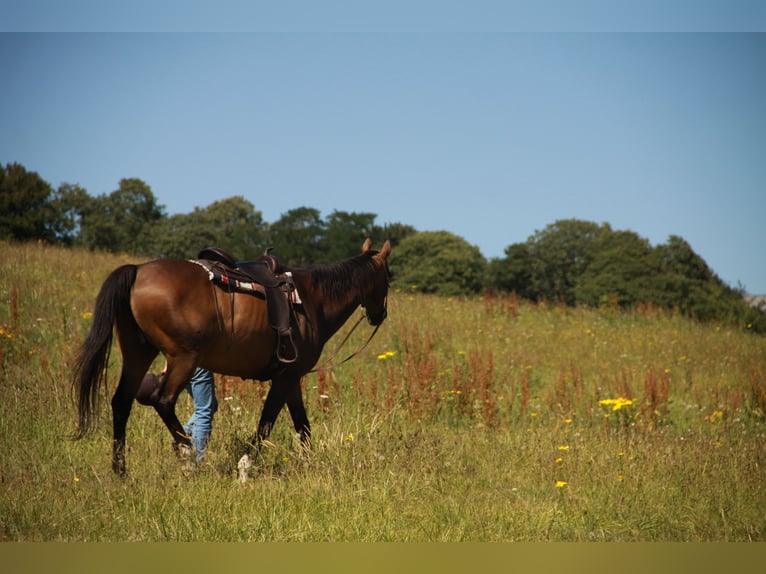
(486, 133)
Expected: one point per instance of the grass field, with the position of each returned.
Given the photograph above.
(482, 419)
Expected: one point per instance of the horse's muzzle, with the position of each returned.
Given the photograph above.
(377, 319)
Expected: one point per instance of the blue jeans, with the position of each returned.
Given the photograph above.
(202, 390)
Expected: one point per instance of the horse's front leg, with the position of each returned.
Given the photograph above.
(298, 413)
(275, 400)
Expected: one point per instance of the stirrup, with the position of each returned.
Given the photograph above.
(280, 358)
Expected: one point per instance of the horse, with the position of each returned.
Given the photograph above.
(172, 307)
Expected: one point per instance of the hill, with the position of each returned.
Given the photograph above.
(467, 419)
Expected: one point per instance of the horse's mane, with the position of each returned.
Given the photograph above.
(336, 279)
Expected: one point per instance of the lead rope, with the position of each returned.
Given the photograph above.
(330, 366)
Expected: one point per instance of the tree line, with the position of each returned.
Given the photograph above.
(571, 261)
(130, 220)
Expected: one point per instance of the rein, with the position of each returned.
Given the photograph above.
(330, 365)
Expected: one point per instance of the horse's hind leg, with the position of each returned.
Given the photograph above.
(136, 361)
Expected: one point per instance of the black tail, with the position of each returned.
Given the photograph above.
(90, 367)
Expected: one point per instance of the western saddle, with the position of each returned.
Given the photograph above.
(278, 287)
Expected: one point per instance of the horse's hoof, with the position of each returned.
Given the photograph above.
(243, 467)
(185, 454)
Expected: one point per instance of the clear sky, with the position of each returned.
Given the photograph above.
(456, 125)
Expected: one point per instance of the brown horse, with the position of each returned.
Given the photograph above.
(171, 307)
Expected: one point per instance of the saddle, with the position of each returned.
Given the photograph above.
(278, 287)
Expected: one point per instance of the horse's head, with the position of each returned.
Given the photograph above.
(375, 294)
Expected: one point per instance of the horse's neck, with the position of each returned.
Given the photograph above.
(335, 314)
(334, 321)
(330, 315)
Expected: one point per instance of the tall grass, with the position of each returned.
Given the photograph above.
(483, 419)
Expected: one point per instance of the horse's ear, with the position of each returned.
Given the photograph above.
(386, 249)
(366, 245)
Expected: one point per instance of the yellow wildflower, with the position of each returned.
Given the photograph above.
(561, 483)
(617, 403)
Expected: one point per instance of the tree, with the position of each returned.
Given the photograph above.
(68, 204)
(134, 210)
(685, 282)
(622, 267)
(438, 262)
(297, 237)
(559, 255)
(232, 224)
(512, 273)
(236, 226)
(394, 232)
(97, 230)
(24, 204)
(122, 220)
(344, 234)
(583, 263)
(180, 236)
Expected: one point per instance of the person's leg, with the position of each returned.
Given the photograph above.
(202, 389)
